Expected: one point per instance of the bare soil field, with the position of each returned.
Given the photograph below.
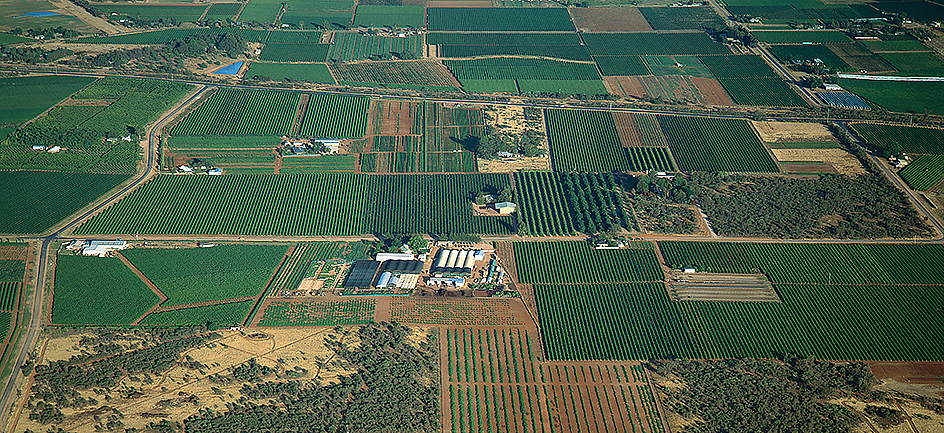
(860, 58)
(511, 120)
(841, 160)
(609, 19)
(792, 132)
(14, 252)
(680, 88)
(484, 312)
(396, 117)
(183, 391)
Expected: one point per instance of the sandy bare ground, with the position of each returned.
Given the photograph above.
(87, 18)
(793, 132)
(843, 161)
(180, 392)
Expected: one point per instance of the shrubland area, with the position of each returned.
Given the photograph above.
(678, 217)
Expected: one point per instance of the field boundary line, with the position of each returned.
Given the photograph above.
(657, 401)
(203, 304)
(265, 291)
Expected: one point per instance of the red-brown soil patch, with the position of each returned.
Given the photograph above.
(711, 91)
(14, 252)
(609, 19)
(627, 130)
(396, 117)
(909, 372)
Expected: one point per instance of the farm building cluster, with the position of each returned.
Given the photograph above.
(462, 267)
(96, 248)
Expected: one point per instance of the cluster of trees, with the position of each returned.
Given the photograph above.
(752, 395)
(828, 206)
(251, 371)
(46, 33)
(389, 243)
(595, 203)
(737, 32)
(395, 389)
(32, 55)
(495, 146)
(56, 383)
(165, 58)
(675, 190)
(505, 194)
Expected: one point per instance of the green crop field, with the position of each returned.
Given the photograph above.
(220, 314)
(335, 116)
(622, 65)
(33, 201)
(576, 262)
(189, 275)
(357, 311)
(395, 73)
(294, 37)
(788, 53)
(284, 52)
(499, 20)
(556, 45)
(222, 11)
(558, 204)
(901, 96)
(12, 270)
(98, 291)
(242, 112)
(638, 321)
(499, 86)
(108, 88)
(261, 11)
(744, 66)
(392, 16)
(895, 45)
(916, 63)
(924, 172)
(27, 97)
(908, 139)
(322, 13)
(319, 164)
(316, 204)
(658, 44)
(583, 140)
(203, 142)
(508, 68)
(80, 132)
(669, 65)
(561, 87)
(668, 18)
(181, 13)
(357, 46)
(8, 294)
(646, 159)
(315, 73)
(751, 81)
(801, 36)
(710, 144)
(839, 301)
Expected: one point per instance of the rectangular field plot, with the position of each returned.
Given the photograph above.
(669, 18)
(358, 311)
(577, 262)
(499, 19)
(242, 112)
(788, 53)
(507, 68)
(609, 19)
(412, 73)
(462, 312)
(751, 81)
(219, 314)
(913, 140)
(189, 275)
(8, 294)
(585, 141)
(154, 12)
(98, 291)
(171, 35)
(924, 172)
(26, 97)
(800, 36)
(828, 321)
(316, 73)
(556, 45)
(33, 201)
(318, 164)
(622, 65)
(901, 96)
(392, 16)
(281, 52)
(357, 46)
(554, 203)
(659, 44)
(710, 144)
(335, 116)
(916, 64)
(316, 204)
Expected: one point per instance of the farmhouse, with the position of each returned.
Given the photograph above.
(102, 248)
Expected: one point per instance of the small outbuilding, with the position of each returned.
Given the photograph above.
(505, 207)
